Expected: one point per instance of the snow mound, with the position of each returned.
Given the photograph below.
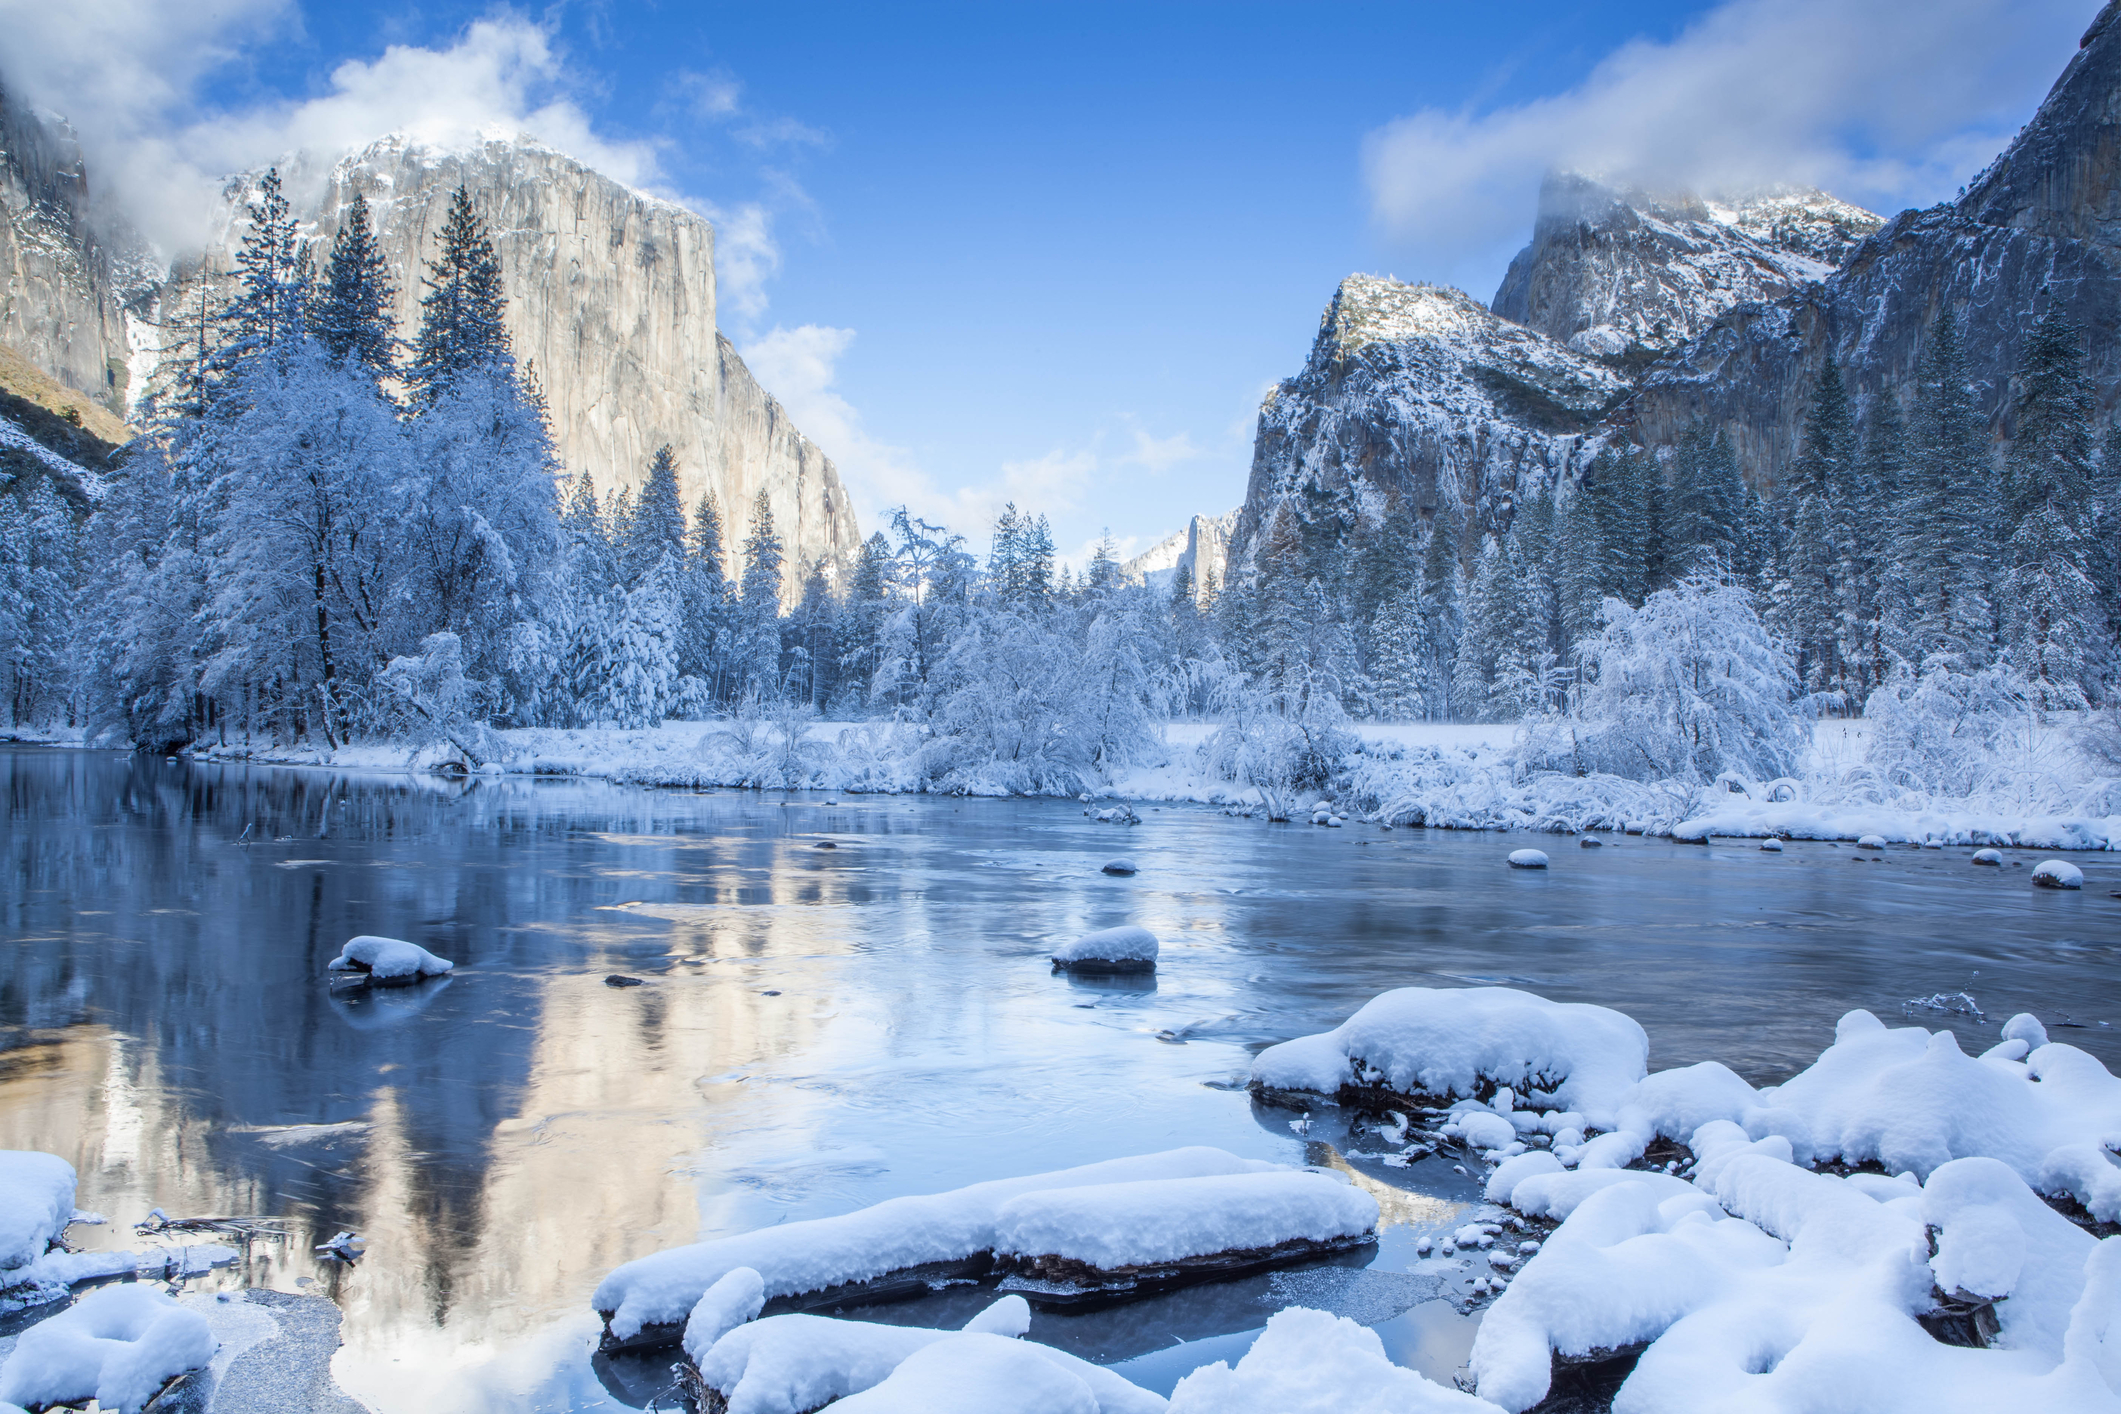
(1450, 1043)
(36, 1204)
(2058, 874)
(1310, 1362)
(981, 1374)
(738, 1297)
(1528, 859)
(118, 1345)
(644, 1300)
(1129, 947)
(795, 1363)
(389, 959)
(1168, 1220)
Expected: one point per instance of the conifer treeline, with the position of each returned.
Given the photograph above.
(332, 533)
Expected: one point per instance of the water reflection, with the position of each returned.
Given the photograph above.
(821, 1029)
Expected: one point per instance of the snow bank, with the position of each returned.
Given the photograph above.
(973, 1373)
(1168, 1220)
(1442, 1044)
(897, 1236)
(36, 1204)
(389, 959)
(795, 1363)
(1128, 948)
(118, 1345)
(1309, 1362)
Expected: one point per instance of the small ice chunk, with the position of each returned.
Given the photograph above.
(2057, 874)
(1988, 856)
(389, 959)
(1528, 859)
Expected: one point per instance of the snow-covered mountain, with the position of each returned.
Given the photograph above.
(1610, 271)
(611, 298)
(1415, 394)
(1201, 549)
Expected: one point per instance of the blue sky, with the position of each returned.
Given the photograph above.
(1056, 253)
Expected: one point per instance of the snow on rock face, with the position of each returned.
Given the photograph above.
(1612, 270)
(1168, 1220)
(118, 1345)
(2057, 874)
(797, 1258)
(1461, 1042)
(36, 1204)
(1528, 859)
(1129, 947)
(1414, 395)
(1312, 1362)
(389, 959)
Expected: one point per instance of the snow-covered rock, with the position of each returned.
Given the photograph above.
(1156, 1222)
(36, 1204)
(1127, 948)
(1988, 856)
(1528, 859)
(1121, 867)
(1871, 842)
(118, 1345)
(1461, 1043)
(1312, 1362)
(976, 1373)
(1771, 846)
(2057, 874)
(389, 959)
(645, 1302)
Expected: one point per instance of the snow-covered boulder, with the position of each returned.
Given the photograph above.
(1528, 859)
(36, 1204)
(2057, 874)
(890, 1248)
(795, 1363)
(1771, 845)
(118, 1345)
(389, 960)
(1312, 1362)
(1871, 842)
(1434, 1045)
(1988, 856)
(1127, 948)
(1130, 1238)
(1590, 842)
(975, 1373)
(1121, 867)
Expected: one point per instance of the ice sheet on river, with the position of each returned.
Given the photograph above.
(914, 1239)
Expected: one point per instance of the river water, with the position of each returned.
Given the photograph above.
(824, 1028)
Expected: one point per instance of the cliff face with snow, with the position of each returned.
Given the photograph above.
(1611, 272)
(1630, 317)
(1201, 549)
(66, 269)
(611, 302)
(1418, 393)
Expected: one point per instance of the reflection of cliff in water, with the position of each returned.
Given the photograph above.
(169, 1026)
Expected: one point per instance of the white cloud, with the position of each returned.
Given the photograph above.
(800, 366)
(1157, 455)
(1883, 102)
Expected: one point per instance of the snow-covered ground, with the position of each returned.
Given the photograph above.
(1439, 774)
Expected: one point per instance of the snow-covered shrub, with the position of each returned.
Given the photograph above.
(1945, 730)
(1279, 741)
(425, 697)
(1684, 688)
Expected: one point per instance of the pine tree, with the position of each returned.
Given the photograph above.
(2049, 597)
(272, 281)
(461, 325)
(658, 527)
(760, 653)
(353, 307)
(1875, 529)
(1396, 668)
(1708, 504)
(1442, 621)
(1945, 551)
(1102, 575)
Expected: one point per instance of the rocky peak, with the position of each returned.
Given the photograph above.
(2061, 176)
(611, 297)
(1612, 271)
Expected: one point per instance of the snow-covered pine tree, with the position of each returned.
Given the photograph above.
(760, 652)
(708, 597)
(861, 624)
(1396, 668)
(461, 315)
(1442, 615)
(1946, 553)
(1500, 655)
(2049, 598)
(1708, 504)
(657, 529)
(272, 282)
(1101, 577)
(352, 310)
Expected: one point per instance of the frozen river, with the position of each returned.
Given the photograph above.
(824, 1028)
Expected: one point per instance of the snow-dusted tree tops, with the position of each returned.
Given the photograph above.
(332, 531)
